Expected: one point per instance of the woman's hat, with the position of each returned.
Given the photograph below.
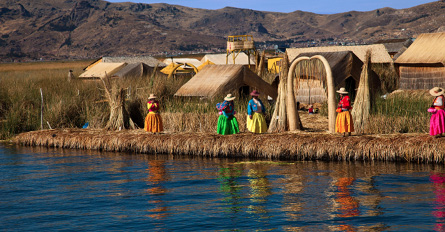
(152, 96)
(342, 91)
(255, 93)
(436, 91)
(229, 97)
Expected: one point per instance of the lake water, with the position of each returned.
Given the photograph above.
(70, 190)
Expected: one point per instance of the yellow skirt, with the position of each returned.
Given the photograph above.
(153, 123)
(344, 122)
(257, 124)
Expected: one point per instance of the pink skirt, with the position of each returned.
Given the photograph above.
(437, 123)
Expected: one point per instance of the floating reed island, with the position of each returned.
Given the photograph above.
(420, 148)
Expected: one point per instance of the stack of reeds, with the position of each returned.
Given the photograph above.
(362, 103)
(278, 121)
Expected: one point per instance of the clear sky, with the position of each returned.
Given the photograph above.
(316, 6)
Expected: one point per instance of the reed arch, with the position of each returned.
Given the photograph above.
(290, 103)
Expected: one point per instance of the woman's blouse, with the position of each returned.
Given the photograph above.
(438, 102)
(153, 107)
(226, 107)
(344, 103)
(255, 106)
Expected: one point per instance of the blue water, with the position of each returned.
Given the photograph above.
(69, 190)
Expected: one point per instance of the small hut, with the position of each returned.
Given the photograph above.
(395, 47)
(100, 70)
(148, 60)
(216, 80)
(134, 70)
(241, 58)
(422, 65)
(379, 53)
(346, 68)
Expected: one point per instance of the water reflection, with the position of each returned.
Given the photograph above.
(229, 186)
(259, 189)
(156, 177)
(438, 180)
(166, 193)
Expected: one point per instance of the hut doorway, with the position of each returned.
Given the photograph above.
(351, 87)
(244, 91)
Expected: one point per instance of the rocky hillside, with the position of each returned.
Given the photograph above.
(61, 29)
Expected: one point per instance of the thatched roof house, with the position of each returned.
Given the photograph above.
(395, 47)
(101, 69)
(422, 65)
(216, 80)
(148, 60)
(379, 54)
(346, 69)
(134, 70)
(241, 58)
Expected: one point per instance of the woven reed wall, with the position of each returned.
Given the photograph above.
(310, 91)
(421, 77)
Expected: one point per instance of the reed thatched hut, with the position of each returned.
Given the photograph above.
(379, 54)
(101, 69)
(218, 80)
(395, 47)
(148, 60)
(241, 58)
(134, 70)
(346, 68)
(422, 65)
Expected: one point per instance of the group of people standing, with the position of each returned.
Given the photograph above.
(256, 122)
(227, 123)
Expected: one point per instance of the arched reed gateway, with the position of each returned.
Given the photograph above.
(313, 75)
(291, 89)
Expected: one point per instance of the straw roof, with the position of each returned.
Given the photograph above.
(395, 45)
(379, 53)
(101, 69)
(214, 80)
(241, 58)
(428, 48)
(134, 70)
(194, 62)
(148, 60)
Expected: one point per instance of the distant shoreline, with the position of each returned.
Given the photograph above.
(419, 148)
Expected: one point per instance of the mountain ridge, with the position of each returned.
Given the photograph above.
(77, 29)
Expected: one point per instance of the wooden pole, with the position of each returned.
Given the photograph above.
(41, 110)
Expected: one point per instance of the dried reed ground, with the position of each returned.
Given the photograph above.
(312, 144)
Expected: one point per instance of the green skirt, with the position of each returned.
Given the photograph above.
(227, 126)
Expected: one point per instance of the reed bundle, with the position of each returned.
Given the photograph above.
(419, 148)
(278, 122)
(362, 103)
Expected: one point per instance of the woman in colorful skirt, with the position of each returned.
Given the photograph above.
(227, 123)
(256, 121)
(437, 121)
(153, 121)
(344, 123)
